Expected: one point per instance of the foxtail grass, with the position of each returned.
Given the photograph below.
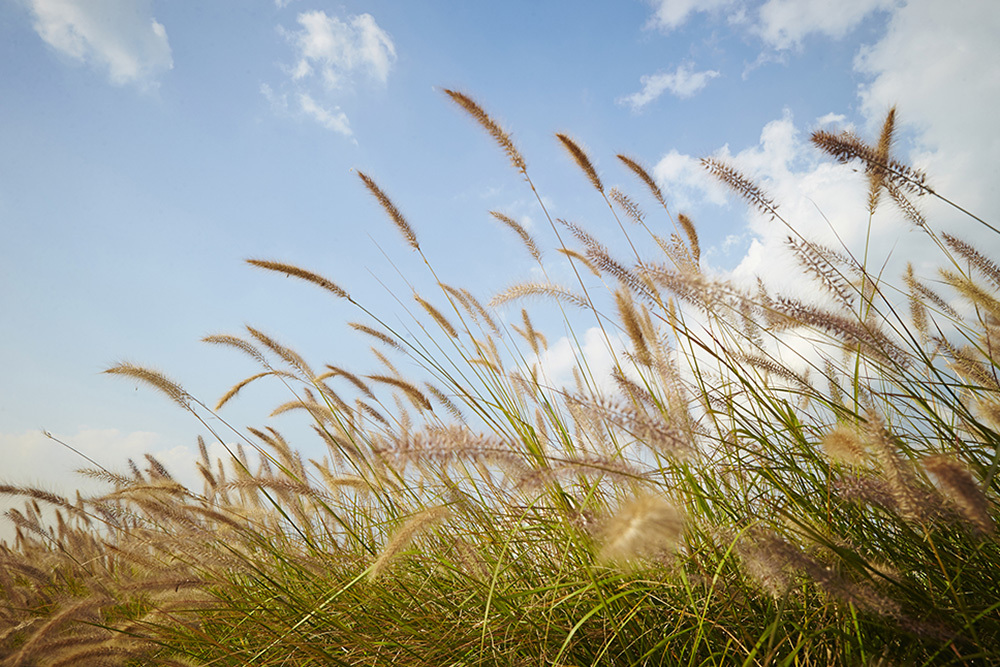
(749, 478)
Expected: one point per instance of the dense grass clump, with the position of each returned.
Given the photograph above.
(756, 480)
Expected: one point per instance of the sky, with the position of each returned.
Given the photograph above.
(148, 147)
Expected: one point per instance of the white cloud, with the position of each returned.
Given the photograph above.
(120, 36)
(838, 120)
(784, 24)
(559, 360)
(686, 181)
(938, 64)
(339, 50)
(335, 120)
(671, 14)
(683, 82)
(281, 4)
(331, 56)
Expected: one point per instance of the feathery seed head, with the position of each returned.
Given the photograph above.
(492, 128)
(406, 533)
(844, 443)
(580, 157)
(390, 209)
(644, 176)
(154, 379)
(645, 527)
(741, 185)
(960, 486)
(302, 274)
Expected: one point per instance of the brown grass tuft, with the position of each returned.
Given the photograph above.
(645, 527)
(302, 274)
(415, 395)
(441, 320)
(409, 530)
(644, 176)
(960, 486)
(845, 147)
(498, 133)
(627, 205)
(692, 235)
(741, 185)
(975, 258)
(390, 208)
(286, 354)
(376, 334)
(630, 320)
(844, 443)
(582, 160)
(530, 289)
(525, 237)
(153, 378)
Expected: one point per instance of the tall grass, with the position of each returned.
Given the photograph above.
(756, 480)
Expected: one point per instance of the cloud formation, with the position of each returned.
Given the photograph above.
(936, 64)
(119, 36)
(671, 14)
(783, 24)
(338, 51)
(331, 56)
(335, 120)
(683, 82)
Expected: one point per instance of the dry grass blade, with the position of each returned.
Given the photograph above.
(692, 235)
(441, 320)
(960, 486)
(845, 147)
(236, 388)
(527, 290)
(574, 255)
(582, 160)
(869, 339)
(644, 176)
(376, 334)
(630, 320)
(965, 250)
(37, 494)
(390, 208)
(154, 379)
(976, 293)
(498, 133)
(644, 527)
(238, 343)
(877, 172)
(409, 530)
(817, 262)
(627, 205)
(415, 395)
(741, 185)
(529, 242)
(302, 274)
(336, 371)
(288, 355)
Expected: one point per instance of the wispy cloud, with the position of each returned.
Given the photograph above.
(119, 36)
(683, 82)
(340, 51)
(335, 120)
(671, 14)
(332, 56)
(783, 24)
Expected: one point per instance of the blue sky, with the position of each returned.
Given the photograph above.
(148, 147)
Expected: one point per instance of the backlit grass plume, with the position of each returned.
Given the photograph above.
(643, 463)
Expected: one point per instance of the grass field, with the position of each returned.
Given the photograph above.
(759, 479)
